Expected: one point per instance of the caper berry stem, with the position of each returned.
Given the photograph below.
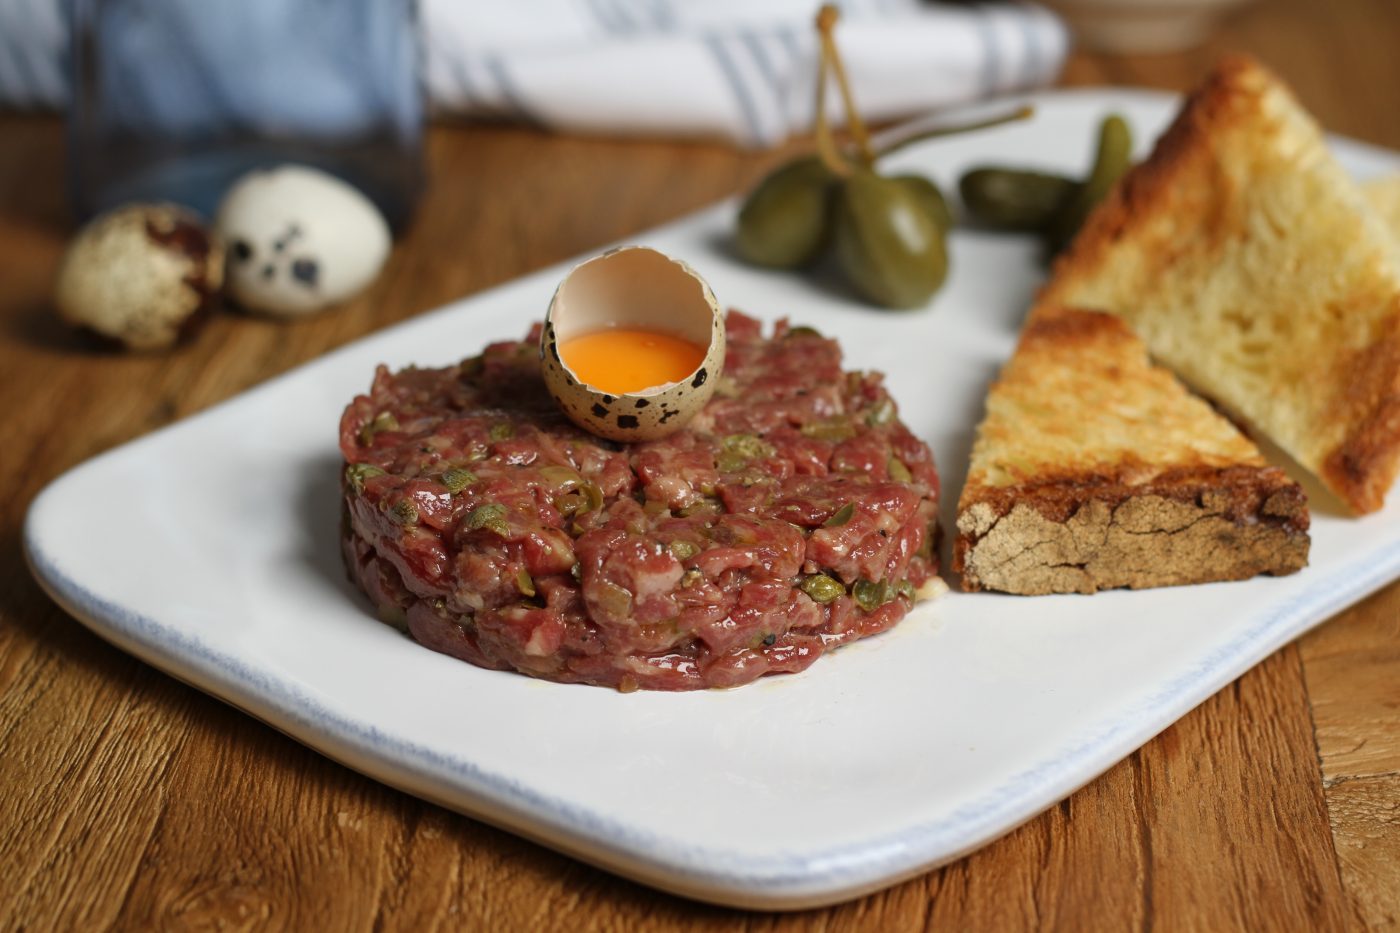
(1023, 112)
(831, 156)
(827, 17)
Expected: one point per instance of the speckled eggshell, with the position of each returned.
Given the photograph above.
(143, 275)
(299, 240)
(633, 286)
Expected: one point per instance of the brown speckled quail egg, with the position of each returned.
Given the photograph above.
(633, 344)
(144, 275)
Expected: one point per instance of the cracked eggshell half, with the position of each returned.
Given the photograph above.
(633, 287)
(299, 240)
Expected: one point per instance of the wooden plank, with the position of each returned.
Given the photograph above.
(1353, 675)
(1352, 669)
(1366, 821)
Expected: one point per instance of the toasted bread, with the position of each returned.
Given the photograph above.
(1383, 194)
(1095, 469)
(1250, 263)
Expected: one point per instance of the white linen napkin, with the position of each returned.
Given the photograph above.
(730, 68)
(737, 69)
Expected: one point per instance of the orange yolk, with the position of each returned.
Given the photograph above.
(623, 360)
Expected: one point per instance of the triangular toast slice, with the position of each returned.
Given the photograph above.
(1095, 469)
(1250, 263)
(1383, 194)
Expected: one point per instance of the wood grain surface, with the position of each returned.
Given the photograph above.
(130, 801)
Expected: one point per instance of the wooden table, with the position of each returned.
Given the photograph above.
(129, 800)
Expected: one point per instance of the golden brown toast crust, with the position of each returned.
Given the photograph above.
(1094, 514)
(1353, 441)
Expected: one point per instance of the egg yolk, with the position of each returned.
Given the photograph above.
(622, 360)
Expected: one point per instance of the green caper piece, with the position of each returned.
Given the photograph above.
(357, 473)
(783, 221)
(1015, 199)
(1114, 157)
(888, 246)
(404, 512)
(929, 197)
(822, 588)
(871, 596)
(683, 550)
(835, 429)
(456, 480)
(841, 516)
(491, 516)
(899, 472)
(883, 412)
(524, 584)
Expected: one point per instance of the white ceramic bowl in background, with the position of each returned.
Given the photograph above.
(1142, 26)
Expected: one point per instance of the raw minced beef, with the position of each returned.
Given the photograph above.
(793, 514)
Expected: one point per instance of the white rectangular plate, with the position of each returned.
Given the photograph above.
(209, 549)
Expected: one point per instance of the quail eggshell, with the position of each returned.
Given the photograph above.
(299, 240)
(144, 275)
(634, 287)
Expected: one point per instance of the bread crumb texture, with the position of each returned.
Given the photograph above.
(1094, 468)
(1251, 264)
(1142, 541)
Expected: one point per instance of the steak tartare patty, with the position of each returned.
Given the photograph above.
(793, 514)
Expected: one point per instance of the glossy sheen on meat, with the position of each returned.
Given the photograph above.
(492, 529)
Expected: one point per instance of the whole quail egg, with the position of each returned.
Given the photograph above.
(299, 240)
(144, 275)
(633, 344)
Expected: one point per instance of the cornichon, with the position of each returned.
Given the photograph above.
(523, 582)
(822, 588)
(898, 471)
(1114, 156)
(1015, 199)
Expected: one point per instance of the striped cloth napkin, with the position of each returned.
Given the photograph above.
(737, 69)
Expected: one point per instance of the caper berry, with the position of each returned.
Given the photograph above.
(783, 221)
(889, 247)
(930, 198)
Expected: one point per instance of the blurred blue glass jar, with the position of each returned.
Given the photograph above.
(175, 99)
